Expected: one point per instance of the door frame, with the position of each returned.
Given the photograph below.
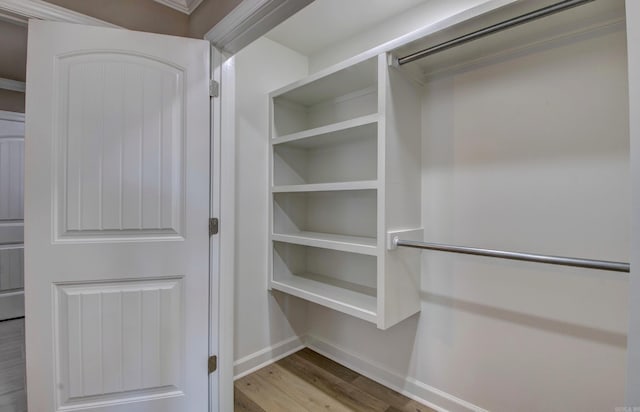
(247, 22)
(222, 251)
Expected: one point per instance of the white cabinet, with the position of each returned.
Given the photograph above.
(345, 170)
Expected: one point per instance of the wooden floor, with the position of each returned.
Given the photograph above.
(307, 381)
(304, 381)
(13, 397)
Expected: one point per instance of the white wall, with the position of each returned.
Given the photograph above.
(497, 173)
(409, 21)
(263, 322)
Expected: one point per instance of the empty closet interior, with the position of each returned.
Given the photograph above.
(515, 141)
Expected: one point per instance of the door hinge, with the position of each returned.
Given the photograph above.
(213, 226)
(214, 88)
(213, 363)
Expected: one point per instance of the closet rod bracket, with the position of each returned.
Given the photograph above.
(393, 237)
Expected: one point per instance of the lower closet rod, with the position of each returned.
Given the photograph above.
(527, 257)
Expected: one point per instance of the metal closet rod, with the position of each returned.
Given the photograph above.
(498, 27)
(527, 257)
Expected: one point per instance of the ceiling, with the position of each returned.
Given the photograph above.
(325, 22)
(185, 6)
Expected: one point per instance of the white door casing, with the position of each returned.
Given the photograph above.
(116, 210)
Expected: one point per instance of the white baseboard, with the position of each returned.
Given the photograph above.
(409, 387)
(266, 356)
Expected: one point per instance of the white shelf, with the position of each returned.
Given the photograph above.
(327, 187)
(324, 86)
(331, 133)
(337, 297)
(353, 244)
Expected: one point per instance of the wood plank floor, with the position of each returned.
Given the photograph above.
(308, 381)
(13, 397)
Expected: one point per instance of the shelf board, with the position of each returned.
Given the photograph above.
(353, 244)
(349, 129)
(335, 81)
(314, 288)
(327, 187)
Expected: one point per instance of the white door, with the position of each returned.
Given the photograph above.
(116, 211)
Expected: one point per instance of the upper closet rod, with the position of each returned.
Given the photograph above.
(516, 21)
(528, 257)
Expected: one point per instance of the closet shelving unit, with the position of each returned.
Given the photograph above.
(341, 148)
(345, 161)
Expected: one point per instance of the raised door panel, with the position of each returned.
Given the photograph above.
(118, 341)
(120, 138)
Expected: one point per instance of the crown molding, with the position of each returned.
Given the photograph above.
(184, 6)
(14, 85)
(39, 9)
(12, 18)
(250, 20)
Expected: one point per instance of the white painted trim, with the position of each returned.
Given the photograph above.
(267, 356)
(10, 18)
(214, 244)
(633, 340)
(224, 134)
(187, 8)
(14, 85)
(249, 21)
(11, 116)
(39, 9)
(432, 397)
(409, 387)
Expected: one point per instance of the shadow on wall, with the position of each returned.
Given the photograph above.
(394, 352)
(293, 309)
(532, 321)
